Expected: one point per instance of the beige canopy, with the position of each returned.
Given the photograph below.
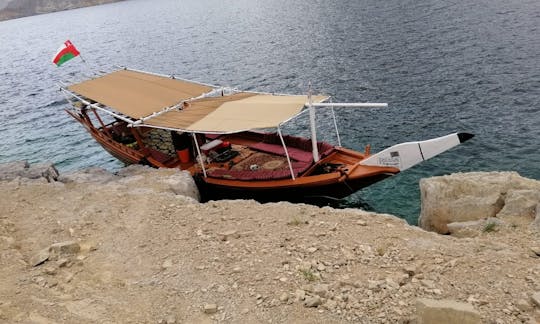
(137, 94)
(140, 95)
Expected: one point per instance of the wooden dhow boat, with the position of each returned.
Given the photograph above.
(215, 134)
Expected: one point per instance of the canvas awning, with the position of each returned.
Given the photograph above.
(239, 112)
(139, 95)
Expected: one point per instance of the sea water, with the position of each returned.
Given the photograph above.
(442, 66)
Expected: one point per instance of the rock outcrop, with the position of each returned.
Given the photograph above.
(22, 8)
(450, 202)
(21, 169)
(135, 178)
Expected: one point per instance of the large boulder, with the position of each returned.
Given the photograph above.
(465, 197)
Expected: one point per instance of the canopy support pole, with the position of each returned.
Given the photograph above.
(201, 162)
(286, 152)
(313, 126)
(335, 125)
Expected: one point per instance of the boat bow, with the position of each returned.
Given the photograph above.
(406, 155)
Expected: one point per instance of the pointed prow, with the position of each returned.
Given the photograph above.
(464, 137)
(406, 155)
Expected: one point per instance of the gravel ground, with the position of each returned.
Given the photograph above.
(134, 256)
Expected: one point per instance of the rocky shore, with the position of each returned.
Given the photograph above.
(11, 9)
(138, 247)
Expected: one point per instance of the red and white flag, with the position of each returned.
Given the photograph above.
(65, 53)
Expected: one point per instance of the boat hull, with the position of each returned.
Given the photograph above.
(313, 187)
(267, 191)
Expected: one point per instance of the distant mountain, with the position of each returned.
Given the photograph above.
(10, 9)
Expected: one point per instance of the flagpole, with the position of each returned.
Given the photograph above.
(92, 72)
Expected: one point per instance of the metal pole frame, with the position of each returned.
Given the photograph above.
(286, 152)
(199, 152)
(67, 92)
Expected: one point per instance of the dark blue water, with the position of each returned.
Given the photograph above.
(442, 66)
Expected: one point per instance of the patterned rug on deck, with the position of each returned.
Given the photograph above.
(262, 161)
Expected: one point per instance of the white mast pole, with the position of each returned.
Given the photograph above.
(313, 126)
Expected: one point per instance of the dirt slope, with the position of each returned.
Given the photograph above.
(161, 258)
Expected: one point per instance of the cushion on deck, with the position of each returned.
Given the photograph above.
(301, 143)
(294, 153)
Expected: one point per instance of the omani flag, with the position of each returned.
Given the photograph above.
(65, 53)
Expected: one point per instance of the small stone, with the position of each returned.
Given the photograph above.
(312, 249)
(171, 319)
(437, 291)
(284, 297)
(428, 283)
(88, 246)
(320, 290)
(410, 270)
(312, 301)
(62, 263)
(210, 308)
(361, 223)
(166, 264)
(51, 271)
(374, 285)
(523, 305)
(330, 304)
(39, 258)
(69, 277)
(300, 294)
(536, 298)
(67, 247)
(536, 250)
(225, 236)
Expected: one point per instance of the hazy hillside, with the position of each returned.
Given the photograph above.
(10, 9)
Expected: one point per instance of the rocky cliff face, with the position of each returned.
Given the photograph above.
(10, 9)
